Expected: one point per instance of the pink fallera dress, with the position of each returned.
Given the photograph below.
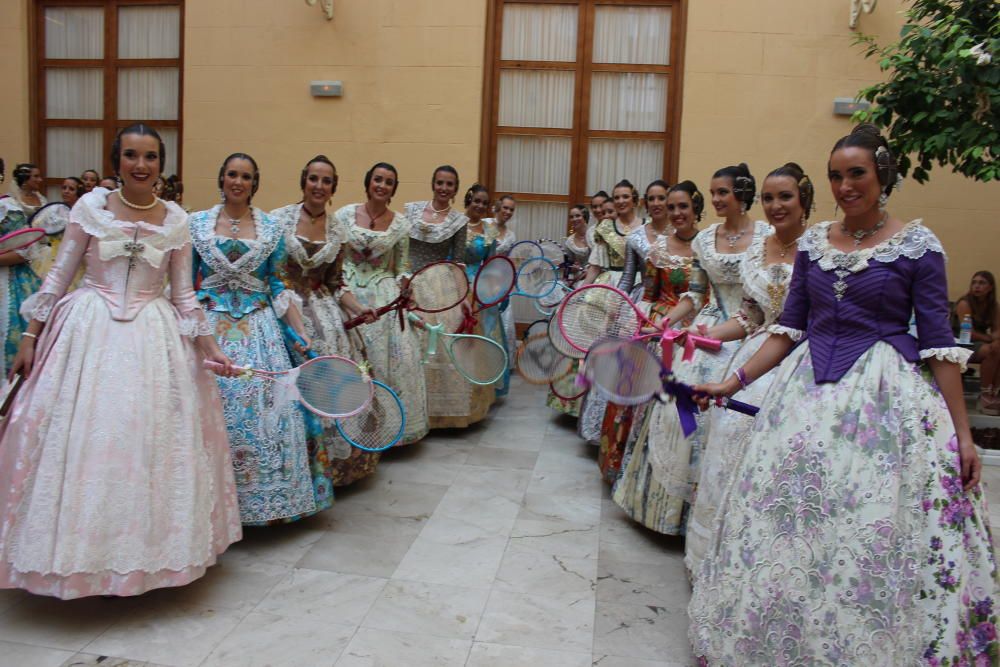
(115, 474)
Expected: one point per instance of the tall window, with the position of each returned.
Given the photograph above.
(102, 65)
(580, 95)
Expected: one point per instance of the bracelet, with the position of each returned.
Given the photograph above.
(741, 377)
(28, 334)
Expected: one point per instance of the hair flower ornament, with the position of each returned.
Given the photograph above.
(983, 57)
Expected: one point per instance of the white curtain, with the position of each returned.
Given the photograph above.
(611, 160)
(70, 150)
(148, 93)
(632, 35)
(169, 136)
(628, 101)
(533, 164)
(74, 32)
(539, 32)
(74, 93)
(149, 32)
(532, 221)
(536, 98)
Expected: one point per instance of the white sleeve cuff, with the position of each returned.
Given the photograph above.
(194, 324)
(284, 301)
(38, 306)
(795, 334)
(956, 355)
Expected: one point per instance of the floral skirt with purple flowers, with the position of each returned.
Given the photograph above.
(844, 536)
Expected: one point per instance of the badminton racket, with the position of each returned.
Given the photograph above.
(377, 427)
(559, 341)
(536, 327)
(329, 386)
(478, 359)
(568, 388)
(435, 288)
(547, 305)
(20, 238)
(523, 250)
(539, 362)
(626, 372)
(53, 218)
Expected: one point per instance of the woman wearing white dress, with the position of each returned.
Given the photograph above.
(115, 475)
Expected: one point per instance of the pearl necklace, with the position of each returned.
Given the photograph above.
(138, 207)
(438, 213)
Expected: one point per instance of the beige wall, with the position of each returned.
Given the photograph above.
(412, 73)
(759, 82)
(760, 78)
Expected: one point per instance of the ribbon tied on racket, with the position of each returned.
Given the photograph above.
(690, 341)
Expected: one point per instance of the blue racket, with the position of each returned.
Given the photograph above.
(378, 427)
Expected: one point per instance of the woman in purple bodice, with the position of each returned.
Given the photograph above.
(854, 530)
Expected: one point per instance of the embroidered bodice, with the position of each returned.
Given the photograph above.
(845, 302)
(18, 210)
(608, 251)
(479, 246)
(126, 263)
(765, 287)
(666, 278)
(373, 255)
(239, 276)
(313, 266)
(579, 253)
(718, 274)
(434, 242)
(637, 247)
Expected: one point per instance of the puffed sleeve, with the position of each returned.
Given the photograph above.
(929, 293)
(794, 318)
(282, 298)
(39, 305)
(192, 320)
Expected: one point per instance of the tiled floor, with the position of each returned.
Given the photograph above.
(492, 547)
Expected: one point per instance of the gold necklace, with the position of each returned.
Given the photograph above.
(138, 207)
(783, 250)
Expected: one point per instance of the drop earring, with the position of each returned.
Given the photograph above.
(883, 201)
(222, 197)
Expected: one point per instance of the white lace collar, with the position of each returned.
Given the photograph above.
(91, 214)
(912, 242)
(705, 247)
(203, 237)
(376, 242)
(287, 218)
(432, 232)
(660, 257)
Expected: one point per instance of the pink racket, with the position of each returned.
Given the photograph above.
(329, 386)
(20, 238)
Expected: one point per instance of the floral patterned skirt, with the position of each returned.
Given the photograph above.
(566, 386)
(844, 536)
(267, 434)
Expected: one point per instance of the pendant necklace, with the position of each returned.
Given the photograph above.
(783, 250)
(733, 238)
(861, 234)
(372, 218)
(234, 223)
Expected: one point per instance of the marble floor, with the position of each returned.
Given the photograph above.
(495, 546)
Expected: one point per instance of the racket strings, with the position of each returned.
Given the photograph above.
(494, 281)
(537, 277)
(538, 362)
(332, 387)
(478, 359)
(376, 427)
(590, 314)
(624, 372)
(439, 287)
(559, 341)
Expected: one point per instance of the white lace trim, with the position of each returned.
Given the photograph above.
(99, 222)
(38, 306)
(795, 334)
(432, 232)
(660, 257)
(284, 301)
(912, 241)
(268, 235)
(194, 324)
(376, 243)
(956, 355)
(287, 218)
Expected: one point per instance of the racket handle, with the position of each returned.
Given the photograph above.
(740, 406)
(296, 338)
(216, 367)
(360, 319)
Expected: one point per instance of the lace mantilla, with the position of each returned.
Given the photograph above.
(287, 218)
(956, 355)
(912, 242)
(432, 232)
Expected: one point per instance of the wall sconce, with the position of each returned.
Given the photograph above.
(848, 106)
(326, 88)
(326, 5)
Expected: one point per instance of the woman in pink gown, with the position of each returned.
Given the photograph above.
(115, 475)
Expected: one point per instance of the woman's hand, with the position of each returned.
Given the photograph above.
(353, 308)
(705, 393)
(227, 369)
(299, 347)
(972, 467)
(24, 359)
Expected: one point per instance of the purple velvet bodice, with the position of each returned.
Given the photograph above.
(846, 302)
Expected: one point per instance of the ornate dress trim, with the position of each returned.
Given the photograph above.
(432, 232)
